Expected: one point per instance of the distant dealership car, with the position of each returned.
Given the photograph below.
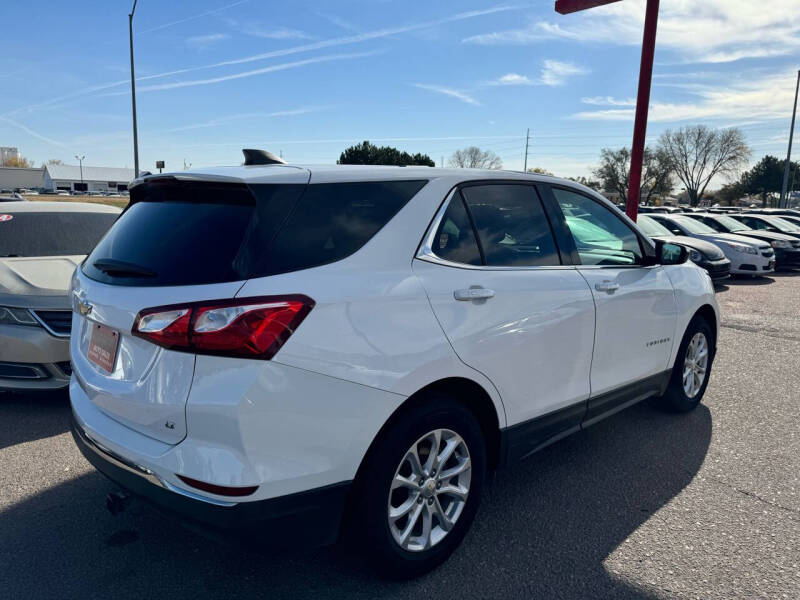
(787, 247)
(770, 223)
(704, 254)
(41, 243)
(747, 256)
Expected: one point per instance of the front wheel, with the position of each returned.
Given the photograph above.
(419, 491)
(692, 368)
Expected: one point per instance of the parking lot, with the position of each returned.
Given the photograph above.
(642, 505)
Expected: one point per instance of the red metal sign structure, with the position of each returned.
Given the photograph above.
(643, 96)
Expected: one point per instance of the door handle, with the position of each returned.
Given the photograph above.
(476, 293)
(606, 286)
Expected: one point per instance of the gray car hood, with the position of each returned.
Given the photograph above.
(37, 282)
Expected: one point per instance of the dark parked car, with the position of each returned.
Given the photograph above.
(704, 254)
(787, 247)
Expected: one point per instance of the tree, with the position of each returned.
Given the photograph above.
(20, 161)
(539, 171)
(55, 161)
(475, 158)
(765, 178)
(370, 154)
(698, 153)
(590, 183)
(615, 167)
(730, 192)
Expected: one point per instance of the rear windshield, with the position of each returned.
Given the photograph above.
(184, 233)
(51, 233)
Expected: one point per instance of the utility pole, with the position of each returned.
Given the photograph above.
(527, 139)
(133, 96)
(784, 201)
(80, 162)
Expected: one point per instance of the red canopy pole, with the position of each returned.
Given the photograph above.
(642, 105)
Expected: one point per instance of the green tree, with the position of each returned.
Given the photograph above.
(730, 193)
(614, 173)
(366, 153)
(765, 178)
(697, 153)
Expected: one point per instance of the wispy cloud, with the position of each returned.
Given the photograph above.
(440, 89)
(513, 79)
(556, 72)
(252, 116)
(713, 31)
(553, 73)
(329, 43)
(202, 41)
(339, 22)
(243, 74)
(754, 98)
(609, 101)
(192, 18)
(33, 133)
(279, 33)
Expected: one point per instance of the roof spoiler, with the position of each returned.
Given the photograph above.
(260, 157)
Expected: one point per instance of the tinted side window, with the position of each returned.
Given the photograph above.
(512, 227)
(455, 239)
(333, 220)
(601, 237)
(713, 224)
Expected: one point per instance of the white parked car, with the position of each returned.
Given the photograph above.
(299, 352)
(748, 256)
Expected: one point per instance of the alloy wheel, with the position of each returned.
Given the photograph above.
(429, 490)
(695, 365)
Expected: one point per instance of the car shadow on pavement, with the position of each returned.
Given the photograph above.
(28, 417)
(757, 280)
(544, 530)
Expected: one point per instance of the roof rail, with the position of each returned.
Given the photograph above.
(260, 157)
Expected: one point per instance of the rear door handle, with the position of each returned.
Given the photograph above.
(477, 293)
(606, 286)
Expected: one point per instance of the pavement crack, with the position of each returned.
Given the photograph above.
(761, 330)
(755, 496)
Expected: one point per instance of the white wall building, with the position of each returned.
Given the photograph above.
(87, 179)
(16, 178)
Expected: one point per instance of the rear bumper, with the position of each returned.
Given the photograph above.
(310, 518)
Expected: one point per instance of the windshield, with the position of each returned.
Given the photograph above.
(732, 224)
(652, 227)
(52, 234)
(693, 226)
(783, 224)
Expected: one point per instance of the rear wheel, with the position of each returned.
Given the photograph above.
(692, 368)
(419, 491)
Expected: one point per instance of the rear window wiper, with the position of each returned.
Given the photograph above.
(120, 268)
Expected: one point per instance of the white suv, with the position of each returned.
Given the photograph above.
(294, 352)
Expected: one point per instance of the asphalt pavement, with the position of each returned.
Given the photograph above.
(642, 505)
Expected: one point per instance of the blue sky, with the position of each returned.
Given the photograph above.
(310, 78)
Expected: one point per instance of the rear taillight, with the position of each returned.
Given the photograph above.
(243, 327)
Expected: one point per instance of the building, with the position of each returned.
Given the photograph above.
(17, 178)
(86, 179)
(8, 153)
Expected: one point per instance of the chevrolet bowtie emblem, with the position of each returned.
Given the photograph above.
(84, 307)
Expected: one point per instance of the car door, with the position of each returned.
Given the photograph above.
(635, 303)
(510, 308)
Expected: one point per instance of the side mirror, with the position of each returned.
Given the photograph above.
(670, 254)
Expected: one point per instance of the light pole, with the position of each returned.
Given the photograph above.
(133, 96)
(80, 162)
(784, 203)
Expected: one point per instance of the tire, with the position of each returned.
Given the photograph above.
(682, 396)
(378, 537)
